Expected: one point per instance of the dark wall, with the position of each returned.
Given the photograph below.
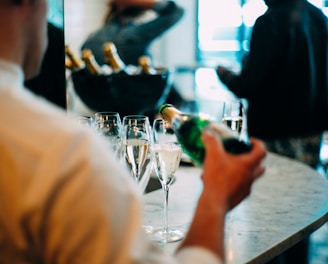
(51, 82)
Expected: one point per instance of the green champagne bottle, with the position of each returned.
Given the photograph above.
(188, 129)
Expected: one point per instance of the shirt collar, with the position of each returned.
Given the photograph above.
(11, 75)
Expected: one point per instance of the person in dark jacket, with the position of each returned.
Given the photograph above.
(284, 77)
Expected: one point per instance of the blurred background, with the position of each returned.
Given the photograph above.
(210, 32)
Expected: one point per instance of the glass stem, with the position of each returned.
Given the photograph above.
(136, 173)
(166, 201)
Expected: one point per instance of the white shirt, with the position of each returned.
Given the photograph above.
(63, 197)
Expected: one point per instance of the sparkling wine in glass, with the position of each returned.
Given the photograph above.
(167, 155)
(136, 150)
(233, 115)
(137, 141)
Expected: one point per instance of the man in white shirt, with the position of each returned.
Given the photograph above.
(64, 198)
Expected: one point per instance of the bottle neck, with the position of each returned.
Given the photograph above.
(68, 64)
(170, 113)
(115, 62)
(90, 62)
(112, 58)
(75, 62)
(92, 66)
(145, 64)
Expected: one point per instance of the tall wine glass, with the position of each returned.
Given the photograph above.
(235, 117)
(137, 140)
(109, 125)
(167, 156)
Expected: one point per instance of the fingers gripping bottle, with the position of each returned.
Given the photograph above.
(188, 129)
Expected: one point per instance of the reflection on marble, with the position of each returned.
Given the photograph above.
(286, 205)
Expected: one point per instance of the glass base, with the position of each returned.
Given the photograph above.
(167, 235)
(148, 229)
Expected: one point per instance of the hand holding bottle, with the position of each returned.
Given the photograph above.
(227, 180)
(230, 176)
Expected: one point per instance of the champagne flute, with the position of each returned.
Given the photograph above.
(235, 117)
(137, 142)
(109, 125)
(167, 155)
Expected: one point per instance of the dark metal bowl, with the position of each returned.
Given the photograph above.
(126, 94)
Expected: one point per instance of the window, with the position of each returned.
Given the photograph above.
(224, 28)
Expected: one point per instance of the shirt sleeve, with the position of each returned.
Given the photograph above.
(197, 255)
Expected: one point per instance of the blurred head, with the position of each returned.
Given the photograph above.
(37, 38)
(24, 23)
(111, 11)
(273, 2)
(117, 9)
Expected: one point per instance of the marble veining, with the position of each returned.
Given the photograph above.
(286, 205)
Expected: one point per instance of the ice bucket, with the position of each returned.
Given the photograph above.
(126, 94)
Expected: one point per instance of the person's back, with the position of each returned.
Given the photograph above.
(284, 77)
(46, 172)
(285, 74)
(295, 95)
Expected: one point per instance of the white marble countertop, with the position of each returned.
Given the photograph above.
(286, 205)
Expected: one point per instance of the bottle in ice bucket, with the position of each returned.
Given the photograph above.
(145, 65)
(73, 62)
(90, 62)
(113, 59)
(188, 129)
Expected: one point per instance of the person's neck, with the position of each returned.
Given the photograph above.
(11, 49)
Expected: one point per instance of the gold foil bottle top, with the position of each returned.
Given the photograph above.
(166, 108)
(112, 58)
(68, 64)
(110, 46)
(145, 65)
(75, 63)
(169, 112)
(91, 63)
